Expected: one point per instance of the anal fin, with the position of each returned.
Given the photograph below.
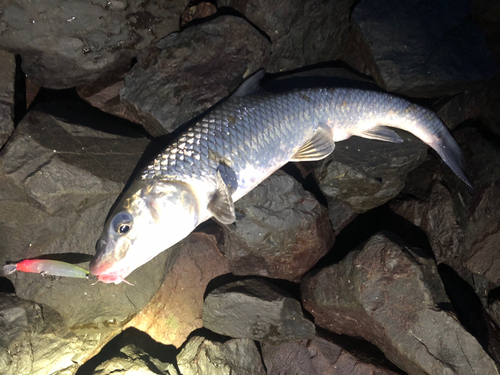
(221, 206)
(381, 133)
(318, 147)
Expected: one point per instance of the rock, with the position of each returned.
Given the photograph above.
(104, 93)
(340, 214)
(392, 296)
(468, 105)
(437, 218)
(196, 12)
(170, 84)
(476, 319)
(59, 178)
(7, 73)
(69, 43)
(315, 357)
(463, 229)
(283, 231)
(302, 32)
(255, 309)
(134, 360)
(418, 47)
(365, 174)
(202, 356)
(179, 300)
(35, 341)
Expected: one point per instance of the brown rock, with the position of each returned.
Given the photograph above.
(104, 94)
(198, 11)
(283, 233)
(393, 297)
(317, 357)
(175, 310)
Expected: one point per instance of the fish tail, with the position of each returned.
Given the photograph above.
(427, 126)
(450, 152)
(9, 268)
(423, 123)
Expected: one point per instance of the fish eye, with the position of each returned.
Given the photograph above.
(122, 222)
(124, 228)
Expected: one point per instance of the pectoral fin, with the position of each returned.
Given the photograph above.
(251, 85)
(221, 205)
(381, 133)
(318, 147)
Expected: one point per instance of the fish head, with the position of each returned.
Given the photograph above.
(152, 217)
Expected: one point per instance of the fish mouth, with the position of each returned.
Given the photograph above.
(104, 273)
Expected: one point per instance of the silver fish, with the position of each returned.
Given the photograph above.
(234, 148)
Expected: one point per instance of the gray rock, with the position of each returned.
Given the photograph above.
(35, 341)
(59, 178)
(317, 357)
(365, 174)
(202, 356)
(255, 309)
(393, 297)
(69, 43)
(420, 47)
(282, 233)
(132, 360)
(7, 73)
(340, 214)
(302, 32)
(170, 83)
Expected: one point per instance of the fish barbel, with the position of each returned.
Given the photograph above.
(237, 145)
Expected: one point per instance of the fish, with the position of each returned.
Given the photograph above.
(47, 267)
(238, 144)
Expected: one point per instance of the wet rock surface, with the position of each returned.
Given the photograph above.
(160, 64)
(281, 233)
(68, 43)
(255, 309)
(392, 296)
(431, 49)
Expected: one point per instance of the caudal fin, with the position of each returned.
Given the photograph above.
(450, 152)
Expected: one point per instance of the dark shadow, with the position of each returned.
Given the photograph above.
(132, 336)
(361, 349)
(289, 288)
(470, 312)
(6, 286)
(365, 225)
(207, 334)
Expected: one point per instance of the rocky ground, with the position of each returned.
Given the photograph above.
(376, 260)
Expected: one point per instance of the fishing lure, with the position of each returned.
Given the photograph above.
(47, 267)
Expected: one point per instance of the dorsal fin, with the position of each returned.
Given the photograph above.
(251, 85)
(221, 206)
(318, 147)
